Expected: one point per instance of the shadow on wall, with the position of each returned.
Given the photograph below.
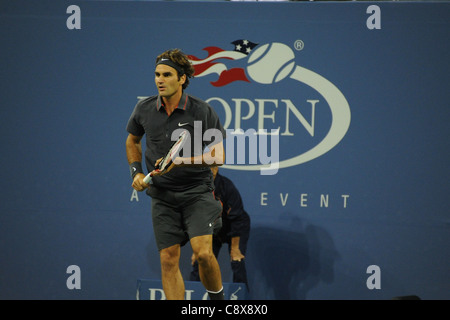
(287, 262)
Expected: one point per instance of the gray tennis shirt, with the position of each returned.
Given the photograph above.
(149, 118)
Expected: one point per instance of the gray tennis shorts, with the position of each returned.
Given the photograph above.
(180, 216)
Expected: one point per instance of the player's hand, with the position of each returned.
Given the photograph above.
(158, 161)
(138, 182)
(158, 172)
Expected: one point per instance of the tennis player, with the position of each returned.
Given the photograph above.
(183, 204)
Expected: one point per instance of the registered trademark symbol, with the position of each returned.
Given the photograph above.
(299, 45)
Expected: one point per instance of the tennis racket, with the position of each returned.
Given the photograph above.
(169, 157)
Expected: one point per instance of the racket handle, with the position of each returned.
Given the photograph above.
(148, 178)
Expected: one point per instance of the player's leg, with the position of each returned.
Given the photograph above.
(172, 280)
(201, 218)
(208, 266)
(169, 236)
(194, 275)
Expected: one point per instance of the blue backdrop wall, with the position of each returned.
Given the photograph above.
(359, 97)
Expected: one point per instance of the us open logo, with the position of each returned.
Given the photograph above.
(302, 113)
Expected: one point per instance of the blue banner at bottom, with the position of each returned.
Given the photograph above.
(151, 289)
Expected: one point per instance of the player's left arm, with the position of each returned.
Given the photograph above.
(214, 156)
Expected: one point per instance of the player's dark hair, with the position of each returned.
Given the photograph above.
(181, 60)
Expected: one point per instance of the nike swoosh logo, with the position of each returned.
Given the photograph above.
(182, 124)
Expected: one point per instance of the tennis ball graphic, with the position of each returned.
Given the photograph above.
(272, 62)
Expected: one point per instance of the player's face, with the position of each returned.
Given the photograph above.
(167, 82)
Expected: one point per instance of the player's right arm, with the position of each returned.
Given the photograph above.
(134, 154)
